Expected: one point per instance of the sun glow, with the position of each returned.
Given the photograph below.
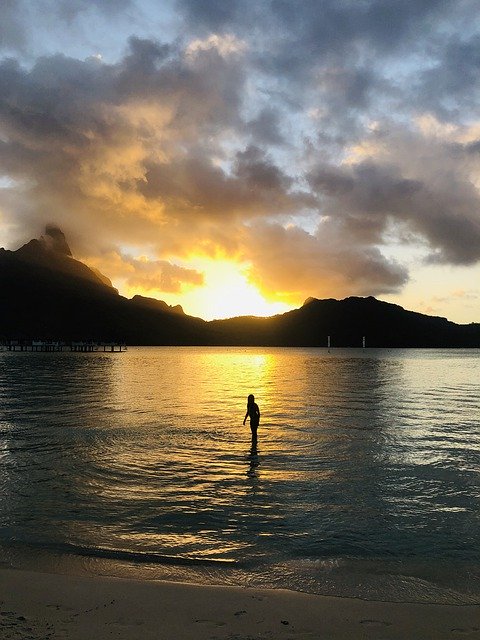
(226, 293)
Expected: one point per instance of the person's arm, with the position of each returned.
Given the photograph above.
(246, 416)
(258, 412)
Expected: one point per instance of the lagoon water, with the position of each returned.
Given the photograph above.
(365, 481)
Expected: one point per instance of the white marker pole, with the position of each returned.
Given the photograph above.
(363, 342)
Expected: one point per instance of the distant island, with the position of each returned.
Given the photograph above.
(46, 294)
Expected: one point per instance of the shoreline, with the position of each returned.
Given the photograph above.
(367, 579)
(46, 606)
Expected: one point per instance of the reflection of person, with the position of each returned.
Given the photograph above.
(254, 413)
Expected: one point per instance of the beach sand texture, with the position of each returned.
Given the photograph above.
(47, 606)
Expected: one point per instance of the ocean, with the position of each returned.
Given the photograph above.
(364, 482)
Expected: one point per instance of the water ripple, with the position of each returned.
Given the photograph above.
(364, 456)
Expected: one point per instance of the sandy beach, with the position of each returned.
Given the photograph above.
(47, 606)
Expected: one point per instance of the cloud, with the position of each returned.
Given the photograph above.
(226, 45)
(442, 89)
(211, 14)
(193, 185)
(305, 139)
(160, 275)
(266, 127)
(458, 293)
(294, 263)
(354, 58)
(12, 31)
(142, 273)
(134, 150)
(421, 181)
(299, 35)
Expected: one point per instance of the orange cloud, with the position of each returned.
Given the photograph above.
(142, 274)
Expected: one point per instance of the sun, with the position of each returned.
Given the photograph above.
(227, 293)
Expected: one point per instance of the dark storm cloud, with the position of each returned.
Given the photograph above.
(368, 197)
(266, 127)
(259, 172)
(145, 56)
(212, 14)
(344, 53)
(192, 186)
(345, 97)
(65, 99)
(321, 28)
(451, 87)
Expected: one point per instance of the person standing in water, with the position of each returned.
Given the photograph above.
(254, 412)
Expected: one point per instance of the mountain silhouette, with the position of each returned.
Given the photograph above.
(347, 322)
(45, 294)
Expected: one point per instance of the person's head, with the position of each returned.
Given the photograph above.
(251, 399)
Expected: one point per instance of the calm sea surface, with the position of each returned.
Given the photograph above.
(365, 481)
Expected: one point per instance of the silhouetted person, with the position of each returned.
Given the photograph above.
(254, 413)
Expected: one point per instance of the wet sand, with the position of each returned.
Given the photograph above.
(48, 606)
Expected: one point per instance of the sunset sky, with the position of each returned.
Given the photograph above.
(239, 156)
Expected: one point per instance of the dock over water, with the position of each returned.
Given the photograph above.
(55, 346)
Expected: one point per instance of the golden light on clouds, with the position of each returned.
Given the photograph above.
(225, 293)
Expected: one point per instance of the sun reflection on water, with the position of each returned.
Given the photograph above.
(143, 455)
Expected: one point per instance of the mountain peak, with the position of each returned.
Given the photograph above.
(54, 240)
(51, 251)
(157, 305)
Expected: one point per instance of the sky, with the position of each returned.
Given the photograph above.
(239, 156)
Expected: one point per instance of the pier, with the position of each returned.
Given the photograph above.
(48, 346)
